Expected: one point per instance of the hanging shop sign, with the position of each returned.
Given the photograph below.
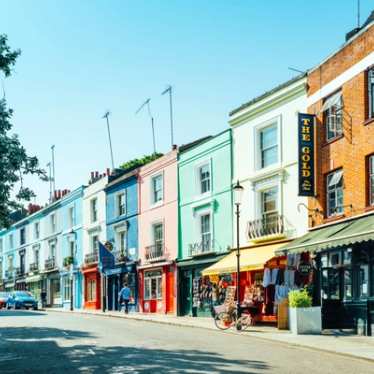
(306, 154)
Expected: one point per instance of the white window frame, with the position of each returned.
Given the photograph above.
(10, 262)
(11, 241)
(94, 212)
(153, 226)
(333, 115)
(52, 244)
(52, 223)
(148, 285)
(334, 174)
(36, 249)
(276, 145)
(198, 167)
(92, 243)
(118, 207)
(119, 233)
(371, 179)
(67, 288)
(22, 230)
(71, 215)
(1, 245)
(153, 192)
(200, 215)
(370, 87)
(37, 230)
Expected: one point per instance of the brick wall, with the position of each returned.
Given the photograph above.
(350, 151)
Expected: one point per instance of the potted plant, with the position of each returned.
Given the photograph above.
(68, 261)
(304, 318)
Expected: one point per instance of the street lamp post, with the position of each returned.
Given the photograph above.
(72, 270)
(238, 192)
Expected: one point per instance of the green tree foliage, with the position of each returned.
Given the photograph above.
(15, 163)
(136, 162)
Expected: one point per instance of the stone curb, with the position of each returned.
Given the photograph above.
(230, 331)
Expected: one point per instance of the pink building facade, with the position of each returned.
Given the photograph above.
(158, 241)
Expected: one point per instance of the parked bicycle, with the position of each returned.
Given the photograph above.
(226, 317)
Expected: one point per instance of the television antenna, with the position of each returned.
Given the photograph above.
(147, 104)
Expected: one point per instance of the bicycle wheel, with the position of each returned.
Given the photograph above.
(224, 320)
(246, 321)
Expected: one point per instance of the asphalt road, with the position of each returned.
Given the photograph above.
(38, 342)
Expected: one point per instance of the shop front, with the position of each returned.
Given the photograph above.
(53, 289)
(92, 287)
(157, 288)
(115, 279)
(194, 289)
(264, 279)
(341, 272)
(34, 285)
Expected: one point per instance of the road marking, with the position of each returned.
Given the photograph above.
(9, 357)
(91, 352)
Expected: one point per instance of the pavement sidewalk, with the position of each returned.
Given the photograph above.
(331, 341)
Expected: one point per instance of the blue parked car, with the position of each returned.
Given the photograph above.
(22, 299)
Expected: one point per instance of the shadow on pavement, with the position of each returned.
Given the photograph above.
(34, 350)
(19, 313)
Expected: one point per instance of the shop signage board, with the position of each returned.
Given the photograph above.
(306, 124)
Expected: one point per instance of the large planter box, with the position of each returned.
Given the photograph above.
(305, 320)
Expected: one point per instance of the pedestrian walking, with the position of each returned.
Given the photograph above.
(124, 297)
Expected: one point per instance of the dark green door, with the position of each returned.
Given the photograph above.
(185, 292)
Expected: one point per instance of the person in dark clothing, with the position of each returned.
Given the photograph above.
(124, 297)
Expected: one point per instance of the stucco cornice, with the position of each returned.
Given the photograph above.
(270, 103)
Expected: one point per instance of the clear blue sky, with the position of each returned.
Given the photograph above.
(80, 58)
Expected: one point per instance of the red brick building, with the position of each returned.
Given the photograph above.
(341, 214)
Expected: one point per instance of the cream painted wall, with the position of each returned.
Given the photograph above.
(283, 174)
(95, 190)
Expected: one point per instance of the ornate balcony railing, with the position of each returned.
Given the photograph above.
(201, 248)
(50, 263)
(155, 252)
(270, 225)
(91, 258)
(34, 267)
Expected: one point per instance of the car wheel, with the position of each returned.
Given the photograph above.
(35, 308)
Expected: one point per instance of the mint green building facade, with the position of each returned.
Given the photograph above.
(205, 218)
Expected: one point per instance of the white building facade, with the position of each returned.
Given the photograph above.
(265, 162)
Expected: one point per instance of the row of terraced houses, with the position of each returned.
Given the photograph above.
(172, 219)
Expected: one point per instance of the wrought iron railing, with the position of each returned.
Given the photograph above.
(91, 258)
(200, 248)
(154, 252)
(50, 263)
(34, 267)
(268, 225)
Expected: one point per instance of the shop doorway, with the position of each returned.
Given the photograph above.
(185, 293)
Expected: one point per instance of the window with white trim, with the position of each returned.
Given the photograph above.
(95, 243)
(52, 249)
(52, 222)
(268, 138)
(71, 212)
(158, 237)
(157, 188)
(22, 236)
(152, 285)
(121, 203)
(36, 230)
(11, 241)
(204, 178)
(334, 193)
(333, 115)
(269, 207)
(370, 80)
(93, 209)
(67, 288)
(205, 231)
(1, 245)
(122, 242)
(371, 179)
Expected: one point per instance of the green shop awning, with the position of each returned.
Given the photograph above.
(353, 231)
